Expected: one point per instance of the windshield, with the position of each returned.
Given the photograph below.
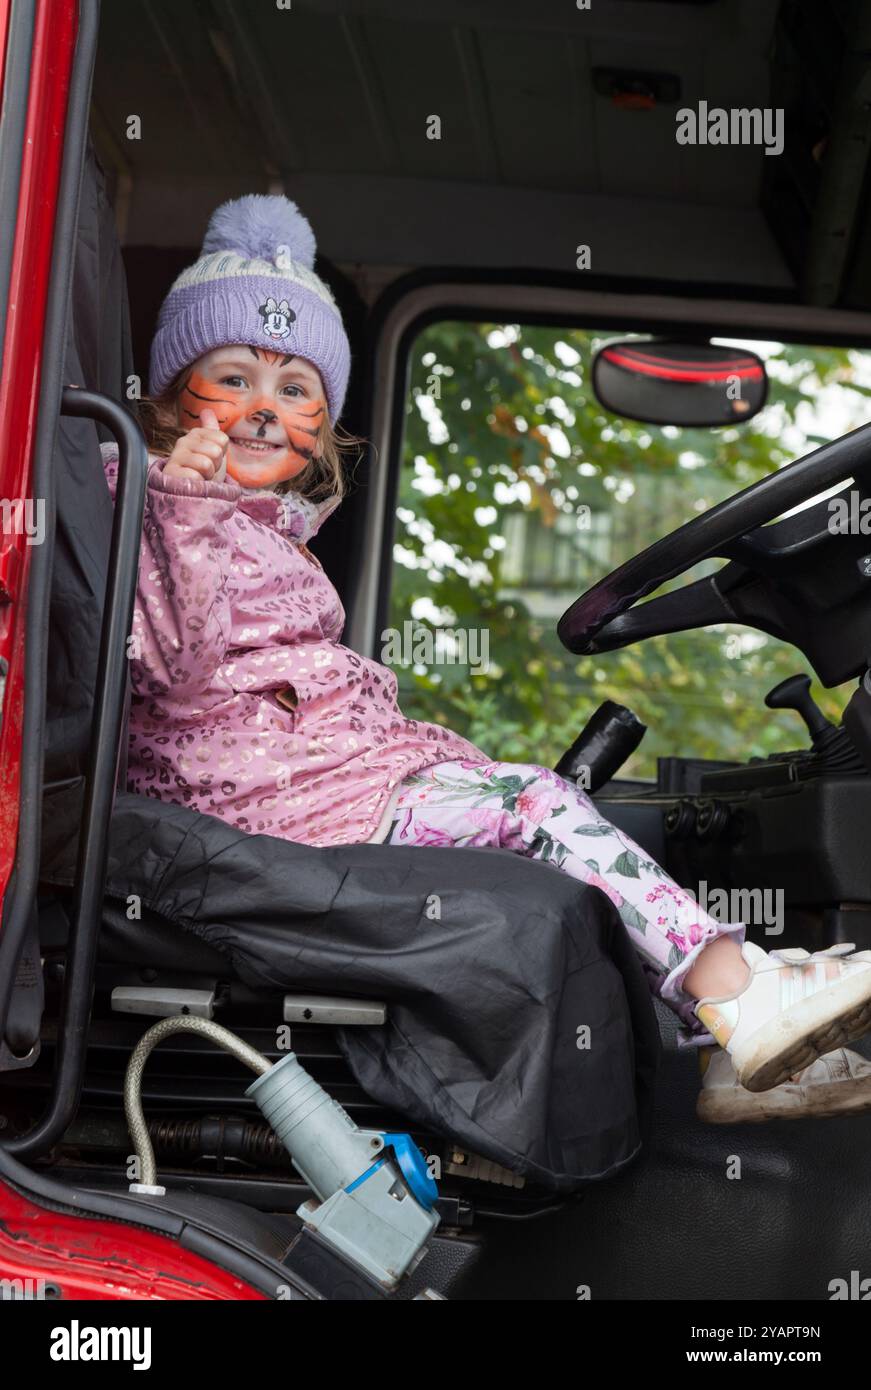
(517, 492)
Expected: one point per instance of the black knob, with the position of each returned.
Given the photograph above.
(680, 819)
(602, 746)
(795, 693)
(713, 817)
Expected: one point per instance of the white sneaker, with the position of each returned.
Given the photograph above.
(794, 1008)
(837, 1084)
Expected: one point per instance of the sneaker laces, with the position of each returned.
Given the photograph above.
(797, 955)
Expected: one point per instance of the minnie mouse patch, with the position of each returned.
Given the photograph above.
(277, 318)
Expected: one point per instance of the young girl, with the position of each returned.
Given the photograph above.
(246, 705)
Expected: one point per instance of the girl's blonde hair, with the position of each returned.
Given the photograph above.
(321, 480)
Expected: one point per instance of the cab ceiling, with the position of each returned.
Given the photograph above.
(328, 101)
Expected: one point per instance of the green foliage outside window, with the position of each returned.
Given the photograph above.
(518, 492)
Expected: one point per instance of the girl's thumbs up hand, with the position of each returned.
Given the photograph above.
(209, 421)
(202, 452)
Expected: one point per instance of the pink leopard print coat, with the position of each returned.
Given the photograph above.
(245, 704)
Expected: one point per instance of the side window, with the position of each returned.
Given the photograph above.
(517, 492)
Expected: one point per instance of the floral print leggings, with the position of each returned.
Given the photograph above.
(536, 813)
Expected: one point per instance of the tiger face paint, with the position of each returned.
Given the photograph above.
(273, 436)
(301, 422)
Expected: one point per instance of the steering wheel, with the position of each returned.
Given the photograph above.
(797, 579)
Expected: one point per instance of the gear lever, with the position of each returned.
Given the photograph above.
(795, 693)
(833, 746)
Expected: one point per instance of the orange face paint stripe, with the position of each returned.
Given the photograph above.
(197, 392)
(300, 444)
(274, 359)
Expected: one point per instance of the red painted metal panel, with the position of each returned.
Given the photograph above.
(104, 1259)
(51, 61)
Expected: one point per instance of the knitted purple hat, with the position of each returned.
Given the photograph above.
(254, 284)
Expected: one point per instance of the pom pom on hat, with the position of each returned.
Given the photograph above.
(261, 226)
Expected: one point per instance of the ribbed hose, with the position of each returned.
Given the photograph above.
(133, 1077)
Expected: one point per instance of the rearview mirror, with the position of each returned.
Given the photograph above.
(667, 383)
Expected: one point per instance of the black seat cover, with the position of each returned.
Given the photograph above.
(486, 998)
